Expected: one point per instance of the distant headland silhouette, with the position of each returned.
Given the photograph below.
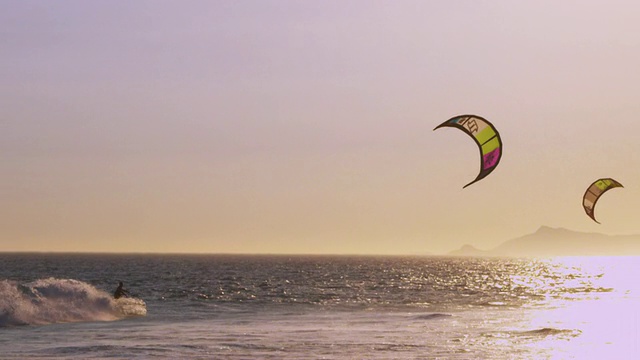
(547, 241)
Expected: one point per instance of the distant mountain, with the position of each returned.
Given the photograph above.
(468, 250)
(548, 241)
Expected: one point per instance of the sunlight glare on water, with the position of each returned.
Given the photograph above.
(593, 302)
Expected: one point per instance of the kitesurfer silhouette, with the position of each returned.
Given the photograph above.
(120, 292)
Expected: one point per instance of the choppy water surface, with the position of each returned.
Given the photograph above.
(292, 307)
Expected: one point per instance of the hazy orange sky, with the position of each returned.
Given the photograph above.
(306, 126)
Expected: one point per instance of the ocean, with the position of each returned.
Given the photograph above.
(60, 306)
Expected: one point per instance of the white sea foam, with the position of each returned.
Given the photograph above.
(49, 301)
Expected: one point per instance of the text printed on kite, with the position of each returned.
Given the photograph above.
(486, 137)
(594, 192)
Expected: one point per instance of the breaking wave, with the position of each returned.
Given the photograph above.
(50, 301)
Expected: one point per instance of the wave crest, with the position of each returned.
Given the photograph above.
(432, 316)
(50, 301)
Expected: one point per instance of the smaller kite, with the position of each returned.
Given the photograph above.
(594, 192)
(486, 137)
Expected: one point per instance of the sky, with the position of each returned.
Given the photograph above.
(307, 126)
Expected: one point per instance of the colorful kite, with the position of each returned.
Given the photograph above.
(485, 135)
(594, 192)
